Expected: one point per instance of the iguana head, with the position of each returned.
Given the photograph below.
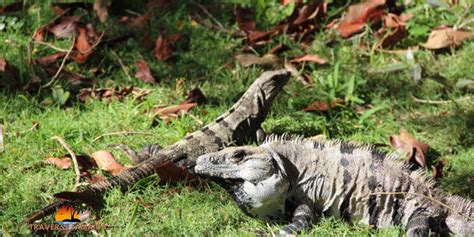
(253, 176)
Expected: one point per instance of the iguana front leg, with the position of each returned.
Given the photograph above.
(303, 218)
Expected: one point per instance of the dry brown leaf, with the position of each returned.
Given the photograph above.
(143, 72)
(136, 22)
(61, 163)
(249, 59)
(307, 12)
(412, 147)
(322, 105)
(64, 26)
(50, 59)
(164, 45)
(396, 26)
(358, 15)
(244, 18)
(106, 161)
(309, 58)
(446, 37)
(169, 172)
(173, 111)
(100, 8)
(83, 43)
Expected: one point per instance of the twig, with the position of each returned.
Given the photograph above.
(74, 160)
(424, 196)
(437, 102)
(209, 14)
(124, 68)
(121, 133)
(51, 46)
(95, 44)
(35, 125)
(60, 67)
(200, 122)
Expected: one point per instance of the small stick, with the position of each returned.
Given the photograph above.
(424, 196)
(95, 44)
(437, 102)
(60, 67)
(124, 68)
(209, 14)
(74, 160)
(35, 125)
(51, 46)
(121, 133)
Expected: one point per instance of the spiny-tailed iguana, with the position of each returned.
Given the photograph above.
(236, 126)
(298, 180)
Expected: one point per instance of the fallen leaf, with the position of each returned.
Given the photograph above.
(249, 59)
(395, 26)
(83, 44)
(163, 46)
(61, 163)
(322, 105)
(412, 147)
(437, 170)
(12, 7)
(358, 15)
(100, 8)
(169, 172)
(108, 94)
(195, 96)
(446, 37)
(309, 58)
(277, 49)
(173, 111)
(64, 26)
(40, 33)
(143, 72)
(50, 59)
(244, 18)
(307, 12)
(302, 77)
(136, 22)
(106, 161)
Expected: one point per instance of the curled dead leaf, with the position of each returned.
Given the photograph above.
(323, 106)
(309, 58)
(143, 72)
(249, 59)
(358, 15)
(406, 143)
(446, 37)
(164, 46)
(106, 161)
(61, 163)
(173, 111)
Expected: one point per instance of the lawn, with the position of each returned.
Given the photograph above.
(378, 102)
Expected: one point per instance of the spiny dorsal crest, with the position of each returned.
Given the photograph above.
(392, 160)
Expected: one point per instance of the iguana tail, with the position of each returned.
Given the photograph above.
(460, 219)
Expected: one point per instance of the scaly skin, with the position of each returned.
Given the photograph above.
(239, 124)
(299, 180)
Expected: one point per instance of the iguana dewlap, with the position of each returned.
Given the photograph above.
(299, 180)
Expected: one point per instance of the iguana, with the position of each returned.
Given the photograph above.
(239, 124)
(299, 180)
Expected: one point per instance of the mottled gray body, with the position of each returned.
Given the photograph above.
(239, 124)
(303, 179)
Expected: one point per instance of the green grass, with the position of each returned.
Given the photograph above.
(205, 60)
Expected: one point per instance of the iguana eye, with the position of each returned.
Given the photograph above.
(238, 156)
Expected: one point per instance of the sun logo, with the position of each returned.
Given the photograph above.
(67, 214)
